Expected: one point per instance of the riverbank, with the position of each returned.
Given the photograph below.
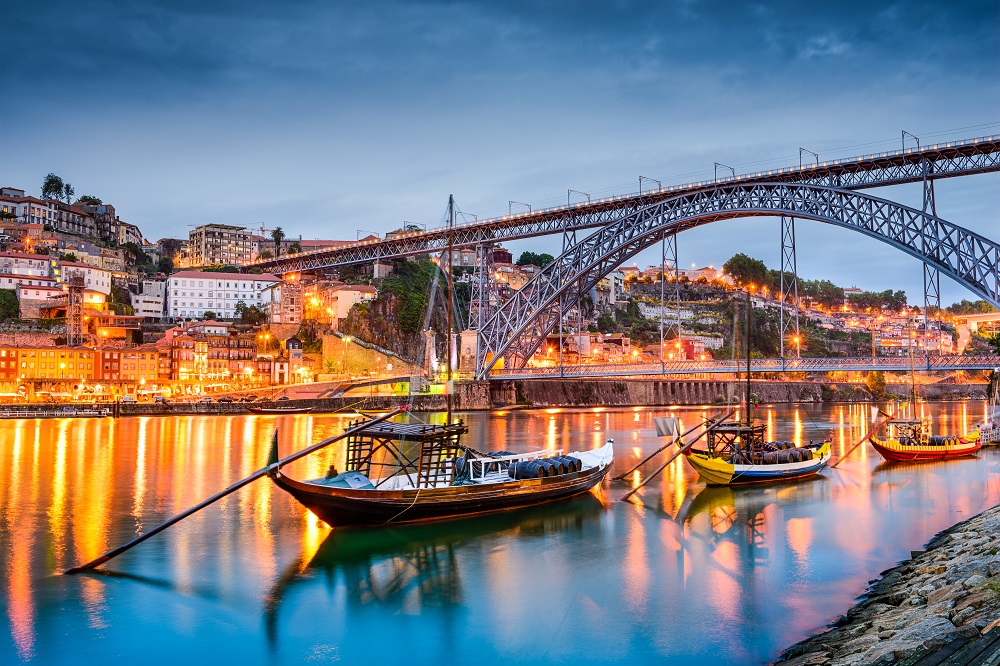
(943, 596)
(488, 395)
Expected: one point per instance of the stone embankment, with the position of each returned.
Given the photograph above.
(946, 594)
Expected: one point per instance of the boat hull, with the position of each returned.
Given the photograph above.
(894, 451)
(718, 472)
(341, 507)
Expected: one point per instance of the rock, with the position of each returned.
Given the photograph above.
(918, 601)
(990, 627)
(884, 635)
(925, 590)
(941, 609)
(941, 640)
(924, 629)
(941, 594)
(974, 581)
(993, 566)
(976, 599)
(888, 652)
(856, 646)
(957, 618)
(808, 659)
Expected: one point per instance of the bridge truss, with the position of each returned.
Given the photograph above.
(731, 366)
(959, 158)
(518, 326)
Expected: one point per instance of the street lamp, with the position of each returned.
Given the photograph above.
(798, 351)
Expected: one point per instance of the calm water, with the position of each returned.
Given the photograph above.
(687, 574)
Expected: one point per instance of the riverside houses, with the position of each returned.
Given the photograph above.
(190, 294)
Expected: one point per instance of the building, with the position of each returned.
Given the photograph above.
(330, 302)
(190, 294)
(20, 263)
(208, 350)
(94, 278)
(56, 363)
(219, 244)
(150, 302)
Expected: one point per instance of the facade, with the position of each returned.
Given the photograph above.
(56, 363)
(219, 244)
(193, 293)
(206, 350)
(20, 263)
(97, 279)
(151, 301)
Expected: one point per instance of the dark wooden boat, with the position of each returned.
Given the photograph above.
(422, 472)
(280, 410)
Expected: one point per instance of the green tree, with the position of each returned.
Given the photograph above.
(68, 192)
(9, 308)
(294, 248)
(208, 314)
(875, 381)
(69, 256)
(52, 187)
(90, 199)
(995, 343)
(165, 265)
(134, 254)
(265, 254)
(747, 270)
(540, 260)
(277, 236)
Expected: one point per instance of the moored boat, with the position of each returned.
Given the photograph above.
(405, 472)
(737, 454)
(912, 442)
(279, 410)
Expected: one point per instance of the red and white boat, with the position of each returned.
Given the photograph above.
(912, 441)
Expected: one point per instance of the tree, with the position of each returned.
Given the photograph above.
(134, 254)
(208, 314)
(52, 187)
(68, 192)
(90, 199)
(265, 254)
(995, 343)
(294, 248)
(165, 265)
(747, 270)
(9, 308)
(277, 236)
(540, 260)
(875, 381)
(69, 256)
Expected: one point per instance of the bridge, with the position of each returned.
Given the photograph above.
(624, 225)
(731, 366)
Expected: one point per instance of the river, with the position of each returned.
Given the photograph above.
(685, 574)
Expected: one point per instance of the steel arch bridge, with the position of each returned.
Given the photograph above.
(516, 328)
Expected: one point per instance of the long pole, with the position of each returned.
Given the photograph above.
(679, 438)
(670, 460)
(748, 356)
(451, 300)
(865, 437)
(271, 468)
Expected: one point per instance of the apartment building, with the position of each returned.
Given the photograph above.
(193, 293)
(219, 244)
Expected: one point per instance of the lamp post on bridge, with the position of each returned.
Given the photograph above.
(510, 205)
(806, 150)
(659, 185)
(568, 192)
(905, 134)
(724, 166)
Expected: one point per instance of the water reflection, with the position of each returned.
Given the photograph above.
(685, 572)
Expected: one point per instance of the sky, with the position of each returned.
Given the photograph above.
(332, 119)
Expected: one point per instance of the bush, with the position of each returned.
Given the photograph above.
(9, 309)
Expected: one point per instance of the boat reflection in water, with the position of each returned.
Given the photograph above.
(406, 568)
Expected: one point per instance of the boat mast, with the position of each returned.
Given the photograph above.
(451, 304)
(749, 307)
(913, 385)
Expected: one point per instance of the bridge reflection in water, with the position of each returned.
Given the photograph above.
(684, 573)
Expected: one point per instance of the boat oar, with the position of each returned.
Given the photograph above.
(871, 432)
(671, 459)
(679, 438)
(273, 464)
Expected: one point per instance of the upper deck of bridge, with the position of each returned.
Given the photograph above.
(941, 160)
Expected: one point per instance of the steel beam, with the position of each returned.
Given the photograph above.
(517, 327)
(789, 284)
(890, 168)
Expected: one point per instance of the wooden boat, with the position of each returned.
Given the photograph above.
(913, 442)
(407, 472)
(738, 454)
(279, 410)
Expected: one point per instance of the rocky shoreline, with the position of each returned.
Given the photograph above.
(949, 592)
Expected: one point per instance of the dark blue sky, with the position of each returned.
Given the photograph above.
(326, 118)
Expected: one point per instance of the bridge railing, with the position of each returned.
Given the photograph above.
(894, 363)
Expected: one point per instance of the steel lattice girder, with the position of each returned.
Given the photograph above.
(516, 329)
(729, 366)
(946, 160)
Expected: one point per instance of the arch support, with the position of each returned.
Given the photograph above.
(516, 329)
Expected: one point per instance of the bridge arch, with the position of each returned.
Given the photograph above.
(519, 325)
